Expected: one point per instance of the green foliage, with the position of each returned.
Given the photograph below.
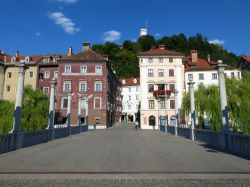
(178, 43)
(7, 116)
(207, 101)
(35, 110)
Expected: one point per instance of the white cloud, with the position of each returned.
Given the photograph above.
(66, 1)
(67, 24)
(111, 36)
(38, 34)
(217, 41)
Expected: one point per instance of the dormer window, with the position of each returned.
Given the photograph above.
(13, 60)
(46, 60)
(27, 59)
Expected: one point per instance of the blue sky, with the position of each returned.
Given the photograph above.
(51, 26)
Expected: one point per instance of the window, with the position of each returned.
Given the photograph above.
(190, 77)
(172, 87)
(31, 74)
(137, 97)
(64, 102)
(150, 72)
(46, 60)
(13, 60)
(151, 104)
(129, 98)
(161, 86)
(46, 90)
(83, 103)
(137, 89)
(8, 88)
(129, 107)
(40, 76)
(83, 69)
(214, 76)
(129, 89)
(83, 86)
(150, 60)
(172, 104)
(67, 86)
(27, 59)
(161, 72)
(162, 104)
(67, 69)
(98, 69)
(170, 60)
(160, 60)
(97, 103)
(46, 74)
(171, 72)
(238, 75)
(98, 86)
(201, 76)
(9, 75)
(55, 74)
(150, 87)
(232, 74)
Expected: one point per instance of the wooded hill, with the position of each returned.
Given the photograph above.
(124, 57)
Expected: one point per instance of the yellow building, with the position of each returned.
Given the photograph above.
(11, 77)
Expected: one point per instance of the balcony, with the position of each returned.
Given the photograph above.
(162, 94)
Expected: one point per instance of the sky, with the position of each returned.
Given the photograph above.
(51, 26)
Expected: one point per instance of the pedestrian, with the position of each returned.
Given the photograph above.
(136, 125)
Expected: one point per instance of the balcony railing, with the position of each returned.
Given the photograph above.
(162, 93)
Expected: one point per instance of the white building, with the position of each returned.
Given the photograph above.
(204, 71)
(130, 99)
(159, 67)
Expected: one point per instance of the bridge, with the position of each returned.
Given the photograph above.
(121, 156)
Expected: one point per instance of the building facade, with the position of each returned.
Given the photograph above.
(130, 99)
(1, 74)
(204, 72)
(160, 69)
(89, 76)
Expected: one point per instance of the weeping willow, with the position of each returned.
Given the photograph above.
(207, 103)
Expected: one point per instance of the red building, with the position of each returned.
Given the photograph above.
(88, 75)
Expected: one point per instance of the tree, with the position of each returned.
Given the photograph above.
(35, 110)
(7, 116)
(146, 42)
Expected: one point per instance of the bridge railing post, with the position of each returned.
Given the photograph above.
(192, 104)
(52, 110)
(19, 136)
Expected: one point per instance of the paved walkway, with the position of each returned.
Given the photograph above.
(122, 149)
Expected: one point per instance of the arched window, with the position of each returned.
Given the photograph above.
(13, 60)
(151, 120)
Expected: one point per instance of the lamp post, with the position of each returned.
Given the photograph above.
(19, 137)
(79, 111)
(193, 116)
(51, 108)
(19, 97)
(176, 111)
(223, 96)
(68, 112)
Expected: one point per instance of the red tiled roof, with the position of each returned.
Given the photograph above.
(246, 58)
(88, 55)
(201, 64)
(130, 81)
(161, 52)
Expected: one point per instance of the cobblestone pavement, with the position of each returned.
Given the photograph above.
(126, 150)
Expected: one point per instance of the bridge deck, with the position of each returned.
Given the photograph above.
(122, 149)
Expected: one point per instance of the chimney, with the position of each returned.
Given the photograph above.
(85, 46)
(17, 53)
(208, 57)
(162, 47)
(194, 56)
(70, 51)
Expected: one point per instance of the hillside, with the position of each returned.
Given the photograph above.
(124, 60)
